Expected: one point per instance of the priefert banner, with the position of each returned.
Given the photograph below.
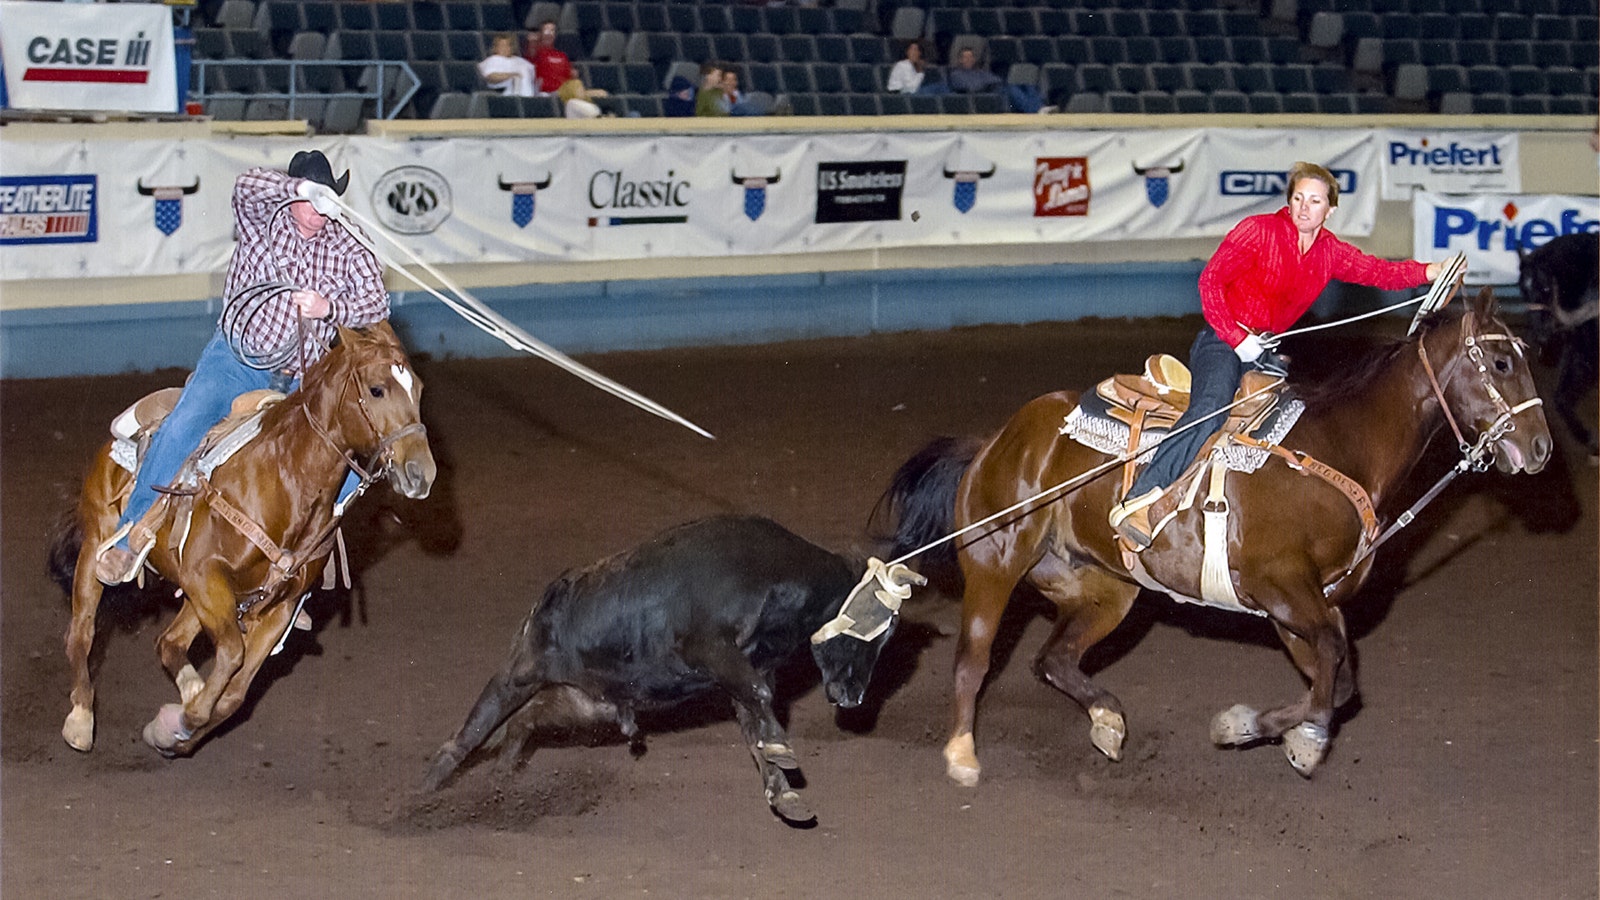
(1491, 228)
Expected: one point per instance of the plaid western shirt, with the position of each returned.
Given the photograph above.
(270, 249)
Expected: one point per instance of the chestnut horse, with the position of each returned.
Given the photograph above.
(1296, 545)
(257, 531)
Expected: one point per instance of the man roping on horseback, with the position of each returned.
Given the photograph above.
(1265, 274)
(297, 272)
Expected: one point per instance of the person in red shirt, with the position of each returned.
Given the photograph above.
(552, 66)
(1266, 273)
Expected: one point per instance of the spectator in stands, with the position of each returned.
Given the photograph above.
(907, 74)
(506, 72)
(1263, 277)
(711, 100)
(968, 78)
(680, 98)
(740, 105)
(298, 272)
(555, 73)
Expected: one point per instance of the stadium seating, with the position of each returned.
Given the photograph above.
(1149, 56)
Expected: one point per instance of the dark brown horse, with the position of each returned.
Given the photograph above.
(1295, 543)
(256, 533)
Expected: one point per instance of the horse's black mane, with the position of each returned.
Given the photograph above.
(1355, 377)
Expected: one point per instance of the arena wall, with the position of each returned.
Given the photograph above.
(59, 327)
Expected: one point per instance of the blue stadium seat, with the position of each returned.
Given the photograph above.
(803, 104)
(1209, 79)
(1191, 101)
(1300, 102)
(653, 17)
(862, 105)
(640, 78)
(861, 78)
(427, 15)
(1487, 79)
(827, 78)
(1447, 79)
(1095, 78)
(1131, 78)
(1330, 78)
(869, 48)
(1291, 79)
(1142, 50)
(619, 17)
(730, 47)
(427, 46)
(1336, 104)
(894, 104)
(1212, 50)
(814, 20)
(462, 15)
(1265, 103)
(781, 20)
(1441, 52)
(1167, 77)
(466, 46)
(832, 105)
(762, 46)
(1491, 104)
(798, 48)
(1089, 23)
(1255, 78)
(463, 77)
(1108, 50)
(356, 16)
(1003, 51)
(1178, 49)
(762, 77)
(1073, 50)
(923, 104)
(1513, 27)
(1157, 103)
(1229, 103)
(833, 48)
(795, 78)
(1246, 50)
(955, 104)
(1524, 80)
(1019, 21)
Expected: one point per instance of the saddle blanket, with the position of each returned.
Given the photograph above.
(125, 453)
(1090, 425)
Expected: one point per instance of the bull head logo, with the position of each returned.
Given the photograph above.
(966, 187)
(169, 203)
(755, 192)
(522, 197)
(1155, 181)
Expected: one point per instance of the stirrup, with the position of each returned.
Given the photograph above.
(1131, 505)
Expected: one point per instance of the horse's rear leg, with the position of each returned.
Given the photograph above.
(78, 730)
(987, 593)
(1091, 604)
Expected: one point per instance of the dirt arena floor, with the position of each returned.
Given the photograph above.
(1466, 770)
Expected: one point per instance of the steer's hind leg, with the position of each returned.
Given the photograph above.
(505, 693)
(1090, 604)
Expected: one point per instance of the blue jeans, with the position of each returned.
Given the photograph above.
(218, 378)
(1214, 371)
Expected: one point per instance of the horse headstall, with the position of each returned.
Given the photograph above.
(1476, 454)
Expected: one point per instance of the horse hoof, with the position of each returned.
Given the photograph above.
(189, 683)
(961, 760)
(165, 731)
(1305, 745)
(792, 809)
(79, 729)
(780, 755)
(1234, 726)
(1107, 730)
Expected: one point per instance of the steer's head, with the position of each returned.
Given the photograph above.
(846, 648)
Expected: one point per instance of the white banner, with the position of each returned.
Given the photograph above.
(88, 56)
(1453, 162)
(162, 207)
(1490, 228)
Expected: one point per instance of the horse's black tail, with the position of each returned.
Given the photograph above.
(66, 539)
(921, 498)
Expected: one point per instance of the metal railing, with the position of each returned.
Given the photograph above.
(388, 83)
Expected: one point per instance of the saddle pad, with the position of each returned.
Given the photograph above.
(1090, 425)
(125, 454)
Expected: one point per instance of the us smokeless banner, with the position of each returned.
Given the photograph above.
(860, 191)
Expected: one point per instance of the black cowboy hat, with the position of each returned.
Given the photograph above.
(313, 166)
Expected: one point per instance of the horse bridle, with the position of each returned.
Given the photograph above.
(1475, 454)
(381, 458)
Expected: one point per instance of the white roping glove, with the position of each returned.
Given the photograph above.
(323, 198)
(1250, 349)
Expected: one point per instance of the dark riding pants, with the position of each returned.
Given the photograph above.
(1214, 371)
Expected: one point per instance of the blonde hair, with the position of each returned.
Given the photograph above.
(1304, 170)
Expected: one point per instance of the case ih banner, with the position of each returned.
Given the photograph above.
(88, 56)
(163, 206)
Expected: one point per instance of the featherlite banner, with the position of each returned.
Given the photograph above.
(163, 207)
(88, 56)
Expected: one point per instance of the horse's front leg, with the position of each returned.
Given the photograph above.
(987, 593)
(1321, 651)
(173, 649)
(212, 600)
(260, 638)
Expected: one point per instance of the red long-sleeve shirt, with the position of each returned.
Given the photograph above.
(552, 66)
(1259, 281)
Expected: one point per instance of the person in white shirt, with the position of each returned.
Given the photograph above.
(906, 76)
(506, 72)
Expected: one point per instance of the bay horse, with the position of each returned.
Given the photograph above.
(1560, 283)
(1295, 544)
(257, 531)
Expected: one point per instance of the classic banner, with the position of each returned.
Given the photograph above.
(89, 56)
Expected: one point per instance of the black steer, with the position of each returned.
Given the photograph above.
(1560, 281)
(717, 603)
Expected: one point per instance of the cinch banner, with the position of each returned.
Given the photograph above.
(163, 206)
(96, 56)
(1490, 228)
(1454, 162)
